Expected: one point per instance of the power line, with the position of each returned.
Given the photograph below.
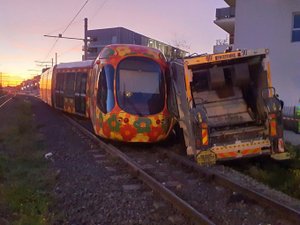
(55, 42)
(97, 10)
(75, 16)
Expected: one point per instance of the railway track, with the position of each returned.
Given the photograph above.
(4, 99)
(204, 195)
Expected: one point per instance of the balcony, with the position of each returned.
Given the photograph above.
(225, 13)
(225, 18)
(230, 2)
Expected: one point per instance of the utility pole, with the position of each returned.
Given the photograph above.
(85, 37)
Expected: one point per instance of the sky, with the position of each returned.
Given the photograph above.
(23, 25)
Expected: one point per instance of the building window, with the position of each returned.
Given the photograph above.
(296, 28)
(114, 40)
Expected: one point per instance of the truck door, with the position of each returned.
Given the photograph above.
(80, 93)
(180, 106)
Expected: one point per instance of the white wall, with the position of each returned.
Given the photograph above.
(268, 24)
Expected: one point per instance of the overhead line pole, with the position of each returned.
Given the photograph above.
(85, 39)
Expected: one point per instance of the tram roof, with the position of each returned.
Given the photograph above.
(78, 64)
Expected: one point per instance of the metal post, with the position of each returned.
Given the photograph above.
(55, 58)
(0, 82)
(85, 37)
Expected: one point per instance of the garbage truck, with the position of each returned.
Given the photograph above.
(226, 106)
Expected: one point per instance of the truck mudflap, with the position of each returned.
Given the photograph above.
(206, 158)
(281, 156)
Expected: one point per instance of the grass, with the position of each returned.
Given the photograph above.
(283, 176)
(25, 180)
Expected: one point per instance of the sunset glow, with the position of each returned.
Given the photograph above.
(24, 24)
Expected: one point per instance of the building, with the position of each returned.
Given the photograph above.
(119, 35)
(273, 24)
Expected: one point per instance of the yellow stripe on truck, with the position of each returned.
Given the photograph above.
(204, 136)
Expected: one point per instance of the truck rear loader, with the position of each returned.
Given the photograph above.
(226, 106)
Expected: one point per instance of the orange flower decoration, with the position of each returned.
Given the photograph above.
(128, 132)
(155, 133)
(106, 129)
(123, 51)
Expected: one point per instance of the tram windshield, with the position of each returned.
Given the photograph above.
(140, 86)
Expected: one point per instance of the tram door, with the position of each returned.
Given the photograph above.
(80, 93)
(59, 91)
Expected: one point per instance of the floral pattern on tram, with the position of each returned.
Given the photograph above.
(119, 124)
(69, 105)
(115, 54)
(122, 126)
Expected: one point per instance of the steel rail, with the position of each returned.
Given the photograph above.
(284, 210)
(3, 96)
(5, 102)
(155, 185)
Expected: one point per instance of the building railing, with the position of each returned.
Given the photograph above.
(224, 13)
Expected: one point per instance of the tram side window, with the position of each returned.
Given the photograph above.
(105, 95)
(69, 84)
(83, 84)
(78, 83)
(59, 81)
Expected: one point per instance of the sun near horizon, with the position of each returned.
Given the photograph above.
(13, 79)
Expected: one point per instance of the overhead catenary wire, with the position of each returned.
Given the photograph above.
(56, 40)
(53, 46)
(98, 9)
(75, 16)
(79, 21)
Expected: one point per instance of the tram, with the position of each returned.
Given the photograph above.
(128, 94)
(64, 87)
(124, 92)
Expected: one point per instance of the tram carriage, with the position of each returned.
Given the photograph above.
(64, 87)
(124, 92)
(128, 90)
